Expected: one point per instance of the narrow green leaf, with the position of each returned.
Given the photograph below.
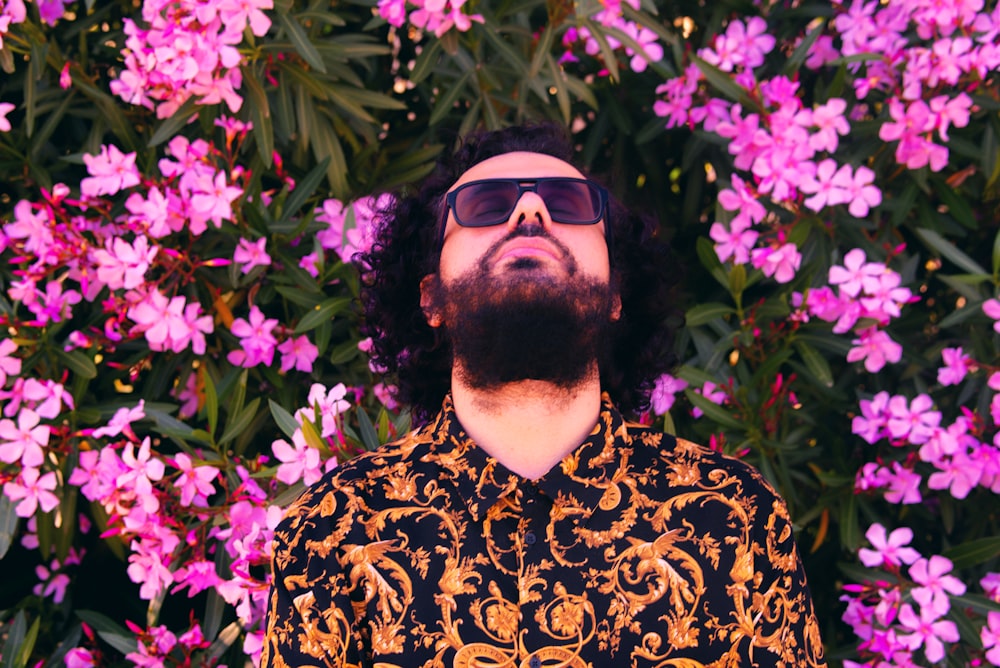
(446, 102)
(260, 111)
(78, 362)
(996, 254)
(322, 313)
(211, 399)
(607, 53)
(562, 87)
(239, 393)
(173, 125)
(959, 207)
(817, 364)
(705, 313)
(8, 524)
(974, 552)
(239, 424)
(713, 412)
(542, 54)
(723, 82)
(426, 62)
(798, 57)
(109, 630)
(111, 111)
(304, 189)
(300, 40)
(369, 437)
(15, 638)
(223, 641)
(286, 421)
(948, 250)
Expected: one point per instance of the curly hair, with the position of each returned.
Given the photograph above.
(417, 358)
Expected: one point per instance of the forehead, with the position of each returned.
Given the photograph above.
(520, 165)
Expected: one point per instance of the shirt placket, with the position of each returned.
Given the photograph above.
(533, 582)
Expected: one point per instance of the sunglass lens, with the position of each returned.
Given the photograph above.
(487, 203)
(572, 202)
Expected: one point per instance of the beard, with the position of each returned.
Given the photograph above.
(525, 324)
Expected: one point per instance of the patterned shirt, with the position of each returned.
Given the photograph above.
(638, 549)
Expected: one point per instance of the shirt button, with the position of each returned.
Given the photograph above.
(535, 662)
(529, 539)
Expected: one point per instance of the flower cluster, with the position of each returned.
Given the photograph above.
(435, 16)
(610, 16)
(188, 49)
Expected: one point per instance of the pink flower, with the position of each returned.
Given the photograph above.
(830, 124)
(935, 584)
(170, 324)
(33, 491)
(110, 172)
(299, 462)
(257, 343)
(926, 632)
(213, 199)
(915, 422)
(141, 470)
(664, 391)
(122, 421)
(124, 265)
(990, 635)
(331, 403)
(197, 576)
(734, 241)
(956, 366)
(24, 442)
(78, 657)
(5, 108)
(298, 353)
(858, 189)
(194, 482)
(251, 254)
(876, 348)
(991, 307)
(872, 421)
(822, 186)
(9, 365)
(782, 262)
(888, 550)
(904, 485)
(856, 270)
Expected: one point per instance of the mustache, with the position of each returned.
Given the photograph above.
(523, 230)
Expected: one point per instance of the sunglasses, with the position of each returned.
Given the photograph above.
(489, 202)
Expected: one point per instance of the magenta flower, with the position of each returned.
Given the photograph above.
(875, 348)
(734, 241)
(32, 491)
(9, 365)
(991, 307)
(872, 421)
(888, 550)
(298, 353)
(852, 275)
(194, 482)
(781, 263)
(251, 254)
(122, 421)
(257, 343)
(110, 172)
(5, 108)
(664, 391)
(904, 485)
(330, 403)
(24, 441)
(299, 462)
(990, 635)
(824, 188)
(213, 199)
(859, 190)
(915, 422)
(956, 366)
(142, 468)
(927, 632)
(935, 584)
(170, 324)
(197, 576)
(124, 265)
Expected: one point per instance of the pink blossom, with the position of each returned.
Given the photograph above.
(956, 366)
(734, 241)
(664, 391)
(991, 307)
(741, 199)
(5, 108)
(711, 391)
(122, 421)
(990, 636)
(33, 226)
(124, 265)
(830, 124)
(888, 550)
(297, 353)
(904, 485)
(51, 582)
(822, 186)
(9, 365)
(852, 275)
(859, 190)
(197, 576)
(141, 470)
(78, 657)
(170, 324)
(991, 586)
(958, 474)
(213, 199)
(872, 421)
(110, 172)
(55, 304)
(876, 348)
(782, 262)
(950, 111)
(915, 422)
(24, 441)
(926, 632)
(251, 254)
(194, 482)
(33, 491)
(299, 462)
(935, 584)
(257, 343)
(330, 403)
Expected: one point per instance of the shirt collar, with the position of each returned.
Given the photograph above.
(580, 479)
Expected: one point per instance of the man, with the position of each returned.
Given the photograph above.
(527, 524)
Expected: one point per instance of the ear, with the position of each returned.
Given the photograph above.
(427, 305)
(616, 308)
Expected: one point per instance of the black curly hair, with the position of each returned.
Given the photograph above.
(417, 358)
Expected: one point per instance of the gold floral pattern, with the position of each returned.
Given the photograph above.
(638, 550)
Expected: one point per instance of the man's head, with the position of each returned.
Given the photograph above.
(499, 265)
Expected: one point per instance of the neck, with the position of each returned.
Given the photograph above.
(530, 425)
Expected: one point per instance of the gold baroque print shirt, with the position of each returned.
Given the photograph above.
(638, 549)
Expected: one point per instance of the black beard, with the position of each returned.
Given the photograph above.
(525, 325)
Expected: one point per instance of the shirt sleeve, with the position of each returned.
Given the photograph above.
(310, 616)
(786, 631)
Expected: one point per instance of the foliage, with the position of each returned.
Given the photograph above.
(184, 184)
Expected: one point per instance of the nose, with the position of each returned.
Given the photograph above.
(530, 209)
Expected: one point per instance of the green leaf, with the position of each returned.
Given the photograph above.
(817, 364)
(260, 111)
(798, 57)
(211, 399)
(8, 524)
(996, 254)
(110, 631)
(974, 552)
(286, 421)
(705, 313)
(173, 125)
(239, 424)
(948, 250)
(723, 83)
(300, 40)
(446, 102)
(304, 189)
(713, 412)
(322, 313)
(369, 437)
(426, 62)
(10, 656)
(958, 207)
(78, 362)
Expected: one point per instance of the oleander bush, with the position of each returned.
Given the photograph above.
(183, 185)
